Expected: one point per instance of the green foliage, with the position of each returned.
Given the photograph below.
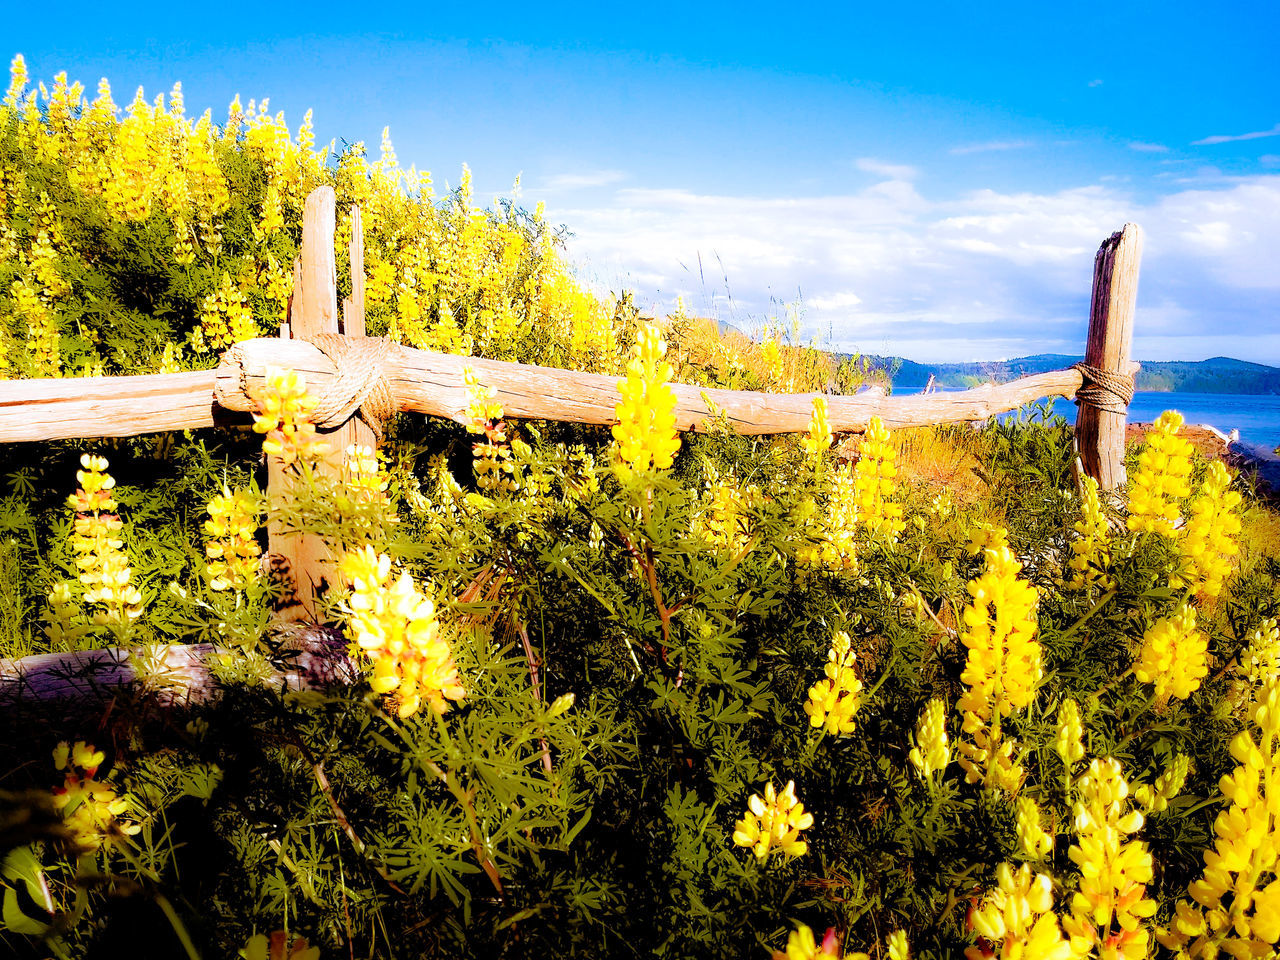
(512, 826)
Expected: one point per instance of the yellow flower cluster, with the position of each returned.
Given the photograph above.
(932, 751)
(441, 276)
(1208, 543)
(90, 807)
(723, 521)
(1164, 467)
(396, 627)
(828, 541)
(773, 822)
(873, 481)
(363, 474)
(1236, 903)
(1017, 919)
(361, 498)
(1091, 553)
(1110, 905)
(493, 466)
(819, 439)
(225, 317)
(1034, 842)
(1261, 660)
(803, 945)
(1173, 656)
(986, 536)
(646, 430)
(1155, 797)
(232, 547)
(1069, 740)
(100, 557)
(279, 946)
(284, 415)
(1002, 670)
(833, 701)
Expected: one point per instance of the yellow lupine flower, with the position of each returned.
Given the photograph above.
(1208, 543)
(1173, 656)
(90, 807)
(873, 480)
(1090, 553)
(773, 822)
(1155, 797)
(1069, 741)
(1017, 918)
(1110, 905)
(987, 536)
(723, 520)
(493, 466)
(104, 568)
(833, 701)
(18, 79)
(1034, 842)
(396, 627)
(819, 439)
(232, 548)
(1261, 660)
(803, 945)
(1234, 908)
(1161, 483)
(646, 431)
(932, 751)
(279, 946)
(284, 415)
(829, 537)
(1002, 670)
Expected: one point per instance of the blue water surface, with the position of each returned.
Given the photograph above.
(1256, 417)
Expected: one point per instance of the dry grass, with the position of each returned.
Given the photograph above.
(941, 458)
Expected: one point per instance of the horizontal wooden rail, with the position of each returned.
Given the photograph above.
(431, 383)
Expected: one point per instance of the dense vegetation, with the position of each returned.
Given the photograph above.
(622, 693)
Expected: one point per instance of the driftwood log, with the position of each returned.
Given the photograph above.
(177, 674)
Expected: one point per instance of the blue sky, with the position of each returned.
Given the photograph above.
(927, 179)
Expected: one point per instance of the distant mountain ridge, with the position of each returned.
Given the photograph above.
(1215, 375)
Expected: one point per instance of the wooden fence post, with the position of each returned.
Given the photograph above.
(314, 311)
(1100, 429)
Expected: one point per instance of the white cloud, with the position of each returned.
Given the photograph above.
(1270, 159)
(893, 171)
(1226, 138)
(990, 145)
(1148, 147)
(987, 273)
(577, 181)
(839, 301)
(1095, 83)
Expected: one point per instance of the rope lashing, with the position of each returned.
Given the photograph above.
(361, 386)
(1104, 390)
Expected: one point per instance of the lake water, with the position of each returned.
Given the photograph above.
(1256, 417)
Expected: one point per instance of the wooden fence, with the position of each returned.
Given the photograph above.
(348, 369)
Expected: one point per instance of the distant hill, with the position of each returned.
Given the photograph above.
(1216, 375)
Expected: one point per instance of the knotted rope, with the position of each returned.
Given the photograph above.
(1104, 390)
(361, 386)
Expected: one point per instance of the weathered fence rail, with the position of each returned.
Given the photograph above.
(346, 370)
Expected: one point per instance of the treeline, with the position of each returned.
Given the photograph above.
(1215, 375)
